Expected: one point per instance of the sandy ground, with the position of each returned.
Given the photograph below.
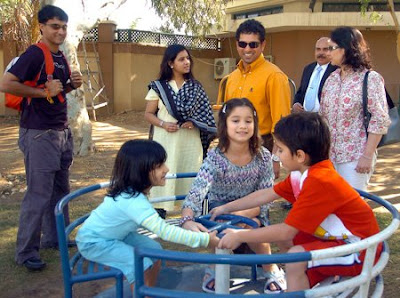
(110, 132)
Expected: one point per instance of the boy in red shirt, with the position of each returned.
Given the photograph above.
(327, 211)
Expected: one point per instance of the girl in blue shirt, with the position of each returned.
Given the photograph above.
(109, 235)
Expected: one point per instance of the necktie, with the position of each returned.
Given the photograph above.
(312, 91)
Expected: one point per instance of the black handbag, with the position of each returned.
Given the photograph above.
(393, 134)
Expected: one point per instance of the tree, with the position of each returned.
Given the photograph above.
(134, 23)
(197, 17)
(163, 29)
(16, 18)
(376, 16)
(83, 15)
(194, 16)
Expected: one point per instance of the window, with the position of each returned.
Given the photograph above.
(258, 13)
(355, 7)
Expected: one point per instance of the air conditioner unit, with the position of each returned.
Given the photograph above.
(269, 58)
(223, 67)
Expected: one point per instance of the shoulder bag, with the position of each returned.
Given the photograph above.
(393, 134)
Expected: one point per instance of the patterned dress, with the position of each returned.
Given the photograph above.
(341, 105)
(222, 181)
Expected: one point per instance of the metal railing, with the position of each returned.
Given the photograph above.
(362, 281)
(148, 37)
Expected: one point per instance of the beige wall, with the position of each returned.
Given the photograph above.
(298, 16)
(293, 50)
(135, 66)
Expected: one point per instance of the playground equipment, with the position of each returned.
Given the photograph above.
(222, 272)
(72, 266)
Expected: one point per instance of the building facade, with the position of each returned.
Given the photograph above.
(293, 26)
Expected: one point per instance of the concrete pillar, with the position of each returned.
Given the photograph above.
(106, 56)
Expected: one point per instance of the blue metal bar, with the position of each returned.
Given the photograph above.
(284, 258)
(139, 274)
(393, 211)
(203, 258)
(75, 224)
(95, 276)
(181, 175)
(60, 205)
(64, 255)
(159, 292)
(244, 260)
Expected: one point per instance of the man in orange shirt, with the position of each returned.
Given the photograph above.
(262, 82)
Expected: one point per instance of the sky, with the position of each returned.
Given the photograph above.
(134, 9)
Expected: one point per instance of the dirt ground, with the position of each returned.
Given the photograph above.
(108, 134)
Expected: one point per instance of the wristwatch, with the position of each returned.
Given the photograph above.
(275, 158)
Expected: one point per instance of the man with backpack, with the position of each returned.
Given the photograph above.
(44, 136)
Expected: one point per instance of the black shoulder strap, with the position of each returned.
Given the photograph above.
(364, 101)
(389, 100)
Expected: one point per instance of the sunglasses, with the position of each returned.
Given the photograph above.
(57, 26)
(252, 45)
(332, 48)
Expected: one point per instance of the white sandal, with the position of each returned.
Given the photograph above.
(206, 281)
(277, 278)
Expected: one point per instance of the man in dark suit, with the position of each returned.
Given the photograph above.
(312, 81)
(313, 78)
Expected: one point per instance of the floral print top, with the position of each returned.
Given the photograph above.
(222, 182)
(341, 105)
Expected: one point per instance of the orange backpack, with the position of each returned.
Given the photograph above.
(14, 102)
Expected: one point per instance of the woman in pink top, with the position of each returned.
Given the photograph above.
(353, 151)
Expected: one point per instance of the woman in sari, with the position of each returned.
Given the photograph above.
(179, 109)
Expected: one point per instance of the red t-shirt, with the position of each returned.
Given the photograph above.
(327, 207)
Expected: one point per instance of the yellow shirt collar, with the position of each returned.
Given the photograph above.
(259, 61)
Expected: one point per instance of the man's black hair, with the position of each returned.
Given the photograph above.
(49, 12)
(251, 26)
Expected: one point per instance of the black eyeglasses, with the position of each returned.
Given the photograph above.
(332, 48)
(57, 26)
(252, 45)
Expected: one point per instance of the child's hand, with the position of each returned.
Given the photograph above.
(214, 240)
(218, 211)
(194, 226)
(231, 240)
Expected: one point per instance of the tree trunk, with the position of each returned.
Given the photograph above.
(83, 15)
(78, 117)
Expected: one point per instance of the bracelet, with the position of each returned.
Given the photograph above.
(161, 123)
(48, 97)
(185, 219)
(366, 157)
